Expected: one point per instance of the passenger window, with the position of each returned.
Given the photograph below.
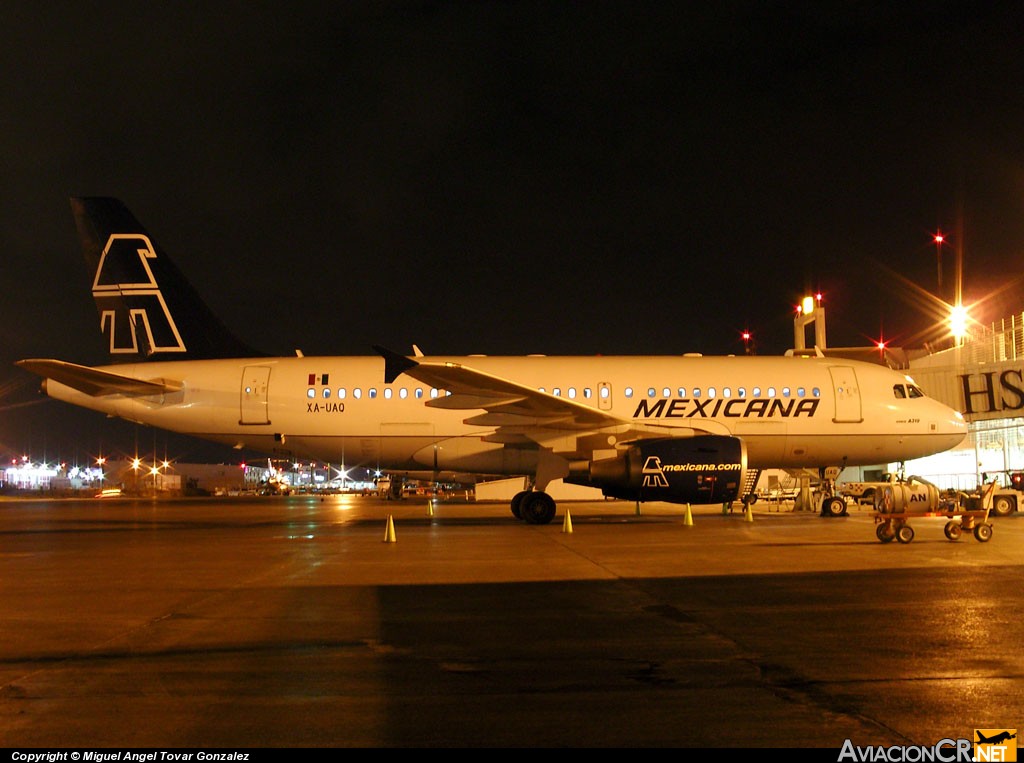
(898, 391)
(651, 392)
(711, 391)
(587, 393)
(666, 392)
(756, 392)
(629, 392)
(403, 393)
(572, 393)
(557, 391)
(741, 392)
(357, 393)
(327, 392)
(372, 392)
(785, 391)
(726, 392)
(419, 393)
(816, 392)
(387, 393)
(682, 392)
(800, 392)
(771, 392)
(341, 393)
(310, 393)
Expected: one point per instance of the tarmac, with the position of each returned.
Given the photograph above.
(344, 621)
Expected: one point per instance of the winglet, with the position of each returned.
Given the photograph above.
(394, 364)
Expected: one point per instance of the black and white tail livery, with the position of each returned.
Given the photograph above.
(147, 309)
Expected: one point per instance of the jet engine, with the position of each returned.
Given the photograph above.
(701, 469)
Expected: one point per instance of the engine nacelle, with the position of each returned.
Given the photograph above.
(701, 470)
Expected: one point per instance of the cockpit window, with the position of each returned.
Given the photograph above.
(899, 391)
(915, 391)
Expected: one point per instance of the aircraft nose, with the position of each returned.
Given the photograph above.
(951, 423)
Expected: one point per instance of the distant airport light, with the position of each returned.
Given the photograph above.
(938, 238)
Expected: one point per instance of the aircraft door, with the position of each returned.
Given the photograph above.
(604, 396)
(847, 395)
(255, 386)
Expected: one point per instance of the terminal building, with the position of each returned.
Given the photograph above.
(983, 378)
(981, 375)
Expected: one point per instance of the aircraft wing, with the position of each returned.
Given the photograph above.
(521, 414)
(96, 383)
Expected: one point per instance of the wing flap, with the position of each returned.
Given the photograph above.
(502, 419)
(95, 382)
(461, 401)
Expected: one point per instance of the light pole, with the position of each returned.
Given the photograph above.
(939, 238)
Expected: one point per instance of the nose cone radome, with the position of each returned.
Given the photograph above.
(950, 425)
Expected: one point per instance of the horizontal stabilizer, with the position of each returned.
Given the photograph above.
(94, 382)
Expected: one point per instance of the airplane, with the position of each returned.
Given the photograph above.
(1002, 736)
(679, 429)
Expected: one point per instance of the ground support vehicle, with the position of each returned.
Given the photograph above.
(1007, 500)
(891, 488)
(966, 514)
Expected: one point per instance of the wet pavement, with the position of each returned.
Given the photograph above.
(291, 622)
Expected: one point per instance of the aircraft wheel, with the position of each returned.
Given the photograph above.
(983, 533)
(537, 508)
(517, 503)
(905, 534)
(953, 530)
(833, 507)
(885, 532)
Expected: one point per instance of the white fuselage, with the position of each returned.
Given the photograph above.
(790, 411)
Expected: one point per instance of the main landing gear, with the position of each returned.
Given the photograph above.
(534, 507)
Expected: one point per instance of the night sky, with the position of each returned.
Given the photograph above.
(507, 178)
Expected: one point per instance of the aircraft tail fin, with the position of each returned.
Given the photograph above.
(147, 308)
